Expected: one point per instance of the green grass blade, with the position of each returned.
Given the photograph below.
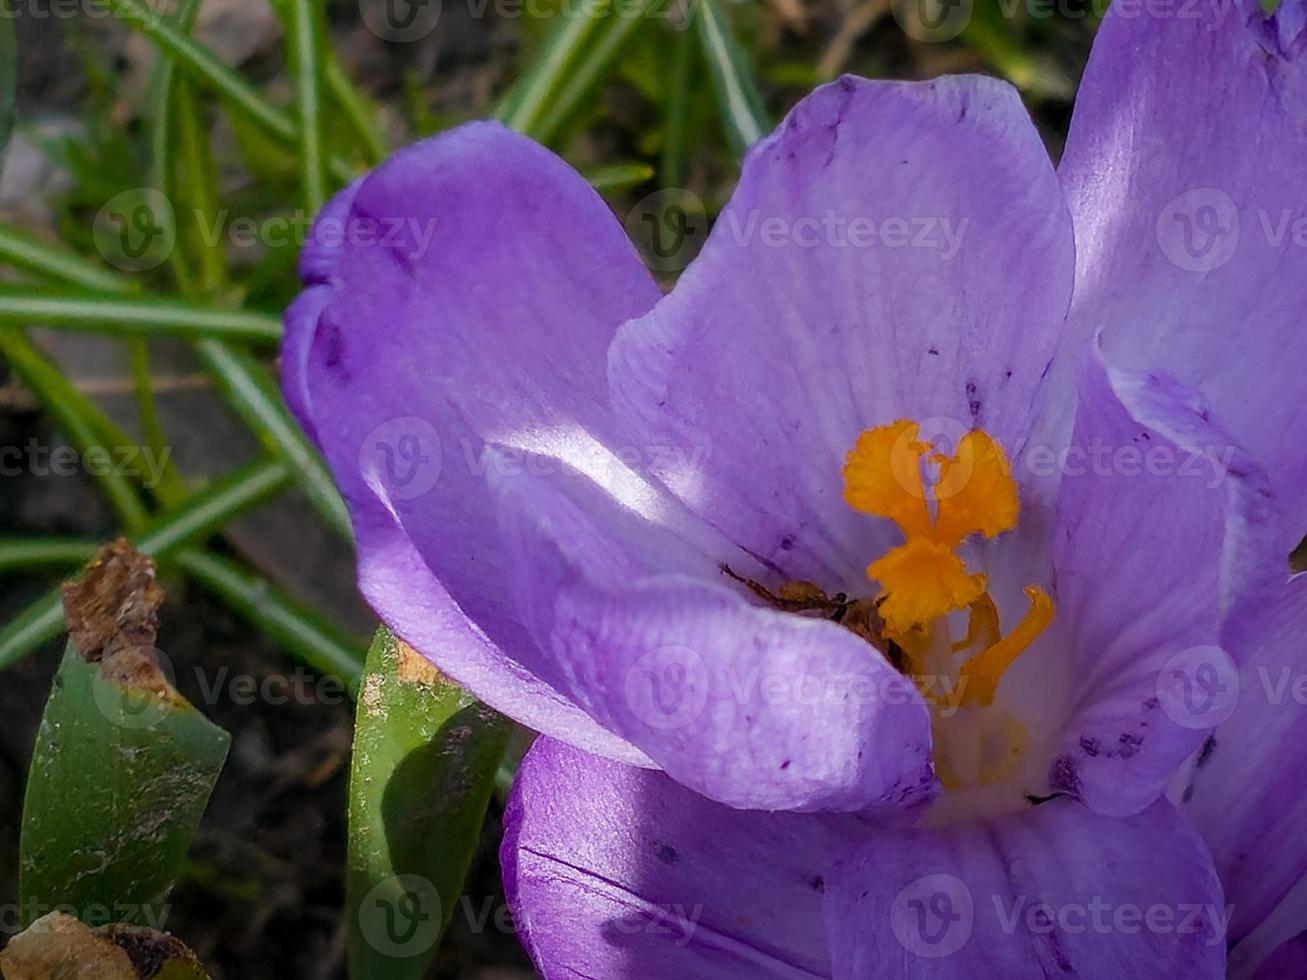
(201, 515)
(424, 764)
(21, 554)
(741, 107)
(300, 631)
(204, 66)
(529, 101)
(676, 123)
(620, 176)
(307, 47)
(589, 68)
(197, 196)
(142, 315)
(120, 776)
(253, 394)
(23, 251)
(201, 63)
(245, 382)
(361, 116)
(69, 408)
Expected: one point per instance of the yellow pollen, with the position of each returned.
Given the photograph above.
(924, 579)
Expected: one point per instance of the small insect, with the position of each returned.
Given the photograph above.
(860, 616)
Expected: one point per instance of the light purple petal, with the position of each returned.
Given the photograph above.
(1057, 891)
(1248, 793)
(620, 873)
(466, 292)
(752, 707)
(795, 329)
(1162, 527)
(1185, 167)
(395, 579)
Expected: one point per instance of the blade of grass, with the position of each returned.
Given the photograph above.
(676, 120)
(246, 383)
(143, 315)
(358, 113)
(21, 554)
(738, 101)
(307, 34)
(528, 102)
(602, 48)
(56, 393)
(304, 634)
(300, 631)
(23, 251)
(204, 66)
(254, 395)
(160, 102)
(155, 438)
(198, 195)
(199, 516)
(619, 176)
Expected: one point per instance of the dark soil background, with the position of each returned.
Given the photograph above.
(263, 896)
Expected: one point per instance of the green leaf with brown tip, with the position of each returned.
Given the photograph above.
(123, 764)
(425, 757)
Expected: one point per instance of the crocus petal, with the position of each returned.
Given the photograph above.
(1289, 962)
(752, 707)
(618, 872)
(1058, 891)
(1185, 167)
(465, 292)
(1277, 939)
(797, 328)
(317, 260)
(1162, 525)
(1248, 793)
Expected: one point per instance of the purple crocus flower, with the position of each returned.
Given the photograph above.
(877, 590)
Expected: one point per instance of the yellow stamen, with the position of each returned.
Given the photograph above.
(981, 673)
(924, 579)
(983, 628)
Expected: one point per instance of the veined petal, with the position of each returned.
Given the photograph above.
(1162, 526)
(1248, 794)
(620, 873)
(894, 250)
(752, 707)
(1185, 167)
(464, 293)
(1057, 891)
